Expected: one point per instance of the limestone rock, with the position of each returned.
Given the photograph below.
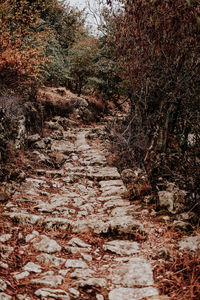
(76, 263)
(25, 218)
(46, 293)
(126, 225)
(135, 272)
(49, 280)
(86, 256)
(82, 273)
(191, 243)
(115, 203)
(22, 275)
(112, 191)
(99, 297)
(31, 236)
(172, 199)
(76, 242)
(3, 285)
(105, 173)
(123, 248)
(31, 267)
(74, 293)
(46, 245)
(23, 297)
(50, 259)
(92, 282)
(3, 265)
(132, 293)
(5, 237)
(4, 296)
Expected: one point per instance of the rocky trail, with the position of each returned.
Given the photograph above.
(69, 232)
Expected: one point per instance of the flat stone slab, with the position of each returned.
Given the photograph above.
(116, 203)
(82, 274)
(132, 293)
(122, 248)
(50, 280)
(126, 225)
(46, 293)
(22, 275)
(100, 224)
(113, 190)
(109, 198)
(45, 244)
(136, 272)
(76, 263)
(76, 242)
(62, 146)
(81, 143)
(31, 267)
(92, 282)
(105, 173)
(50, 259)
(109, 183)
(25, 218)
(128, 210)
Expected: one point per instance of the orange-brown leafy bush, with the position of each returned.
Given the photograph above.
(21, 46)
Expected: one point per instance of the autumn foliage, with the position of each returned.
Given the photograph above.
(20, 46)
(157, 42)
(34, 37)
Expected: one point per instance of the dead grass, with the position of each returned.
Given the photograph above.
(180, 278)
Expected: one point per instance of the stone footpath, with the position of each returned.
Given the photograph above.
(69, 231)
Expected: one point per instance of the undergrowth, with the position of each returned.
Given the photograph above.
(180, 278)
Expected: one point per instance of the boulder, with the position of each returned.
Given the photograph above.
(172, 199)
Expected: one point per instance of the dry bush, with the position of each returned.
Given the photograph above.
(180, 278)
